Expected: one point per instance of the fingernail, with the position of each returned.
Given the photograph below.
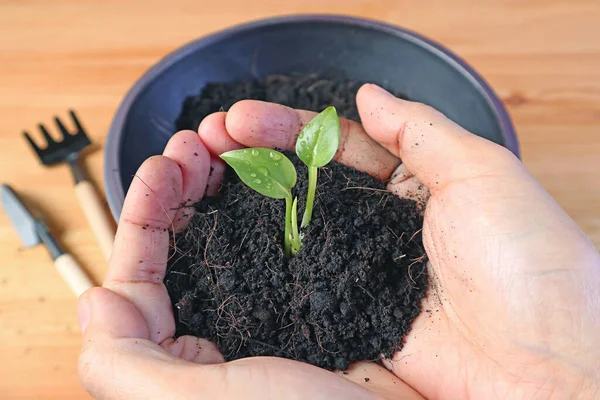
(399, 169)
(400, 174)
(84, 311)
(381, 90)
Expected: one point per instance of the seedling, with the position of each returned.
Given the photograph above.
(316, 146)
(271, 174)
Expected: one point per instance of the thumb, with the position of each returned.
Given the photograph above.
(98, 320)
(118, 360)
(434, 149)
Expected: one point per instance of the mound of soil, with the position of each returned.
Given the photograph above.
(352, 291)
(309, 92)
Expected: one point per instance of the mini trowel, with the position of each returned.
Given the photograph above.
(34, 231)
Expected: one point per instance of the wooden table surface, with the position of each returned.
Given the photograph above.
(543, 58)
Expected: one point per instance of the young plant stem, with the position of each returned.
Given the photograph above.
(287, 236)
(310, 197)
(295, 236)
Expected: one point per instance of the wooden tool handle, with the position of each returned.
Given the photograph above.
(96, 216)
(72, 273)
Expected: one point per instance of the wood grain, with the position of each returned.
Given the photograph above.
(543, 58)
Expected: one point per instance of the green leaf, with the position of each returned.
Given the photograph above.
(267, 171)
(320, 139)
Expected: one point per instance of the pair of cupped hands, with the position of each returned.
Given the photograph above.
(515, 284)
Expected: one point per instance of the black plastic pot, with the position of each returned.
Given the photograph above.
(359, 49)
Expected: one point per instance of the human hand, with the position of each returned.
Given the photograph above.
(515, 294)
(134, 355)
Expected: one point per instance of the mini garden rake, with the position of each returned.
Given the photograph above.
(68, 151)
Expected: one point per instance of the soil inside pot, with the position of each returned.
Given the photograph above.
(306, 92)
(350, 294)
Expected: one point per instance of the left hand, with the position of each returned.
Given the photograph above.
(128, 347)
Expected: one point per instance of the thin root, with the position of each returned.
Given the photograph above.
(416, 260)
(413, 236)
(212, 232)
(366, 291)
(365, 188)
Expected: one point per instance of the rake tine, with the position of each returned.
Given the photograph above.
(62, 128)
(77, 123)
(46, 134)
(31, 142)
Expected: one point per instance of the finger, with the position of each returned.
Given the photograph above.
(138, 262)
(187, 150)
(215, 178)
(280, 378)
(260, 124)
(378, 380)
(196, 350)
(429, 144)
(214, 135)
(97, 318)
(407, 186)
(217, 140)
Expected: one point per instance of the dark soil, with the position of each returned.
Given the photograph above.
(308, 92)
(352, 291)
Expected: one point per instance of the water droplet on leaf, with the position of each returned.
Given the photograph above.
(263, 171)
(257, 181)
(253, 175)
(274, 156)
(255, 152)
